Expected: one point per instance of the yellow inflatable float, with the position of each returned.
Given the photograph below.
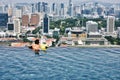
(43, 46)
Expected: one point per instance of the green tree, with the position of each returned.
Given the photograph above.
(36, 30)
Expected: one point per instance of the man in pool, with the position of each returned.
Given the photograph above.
(35, 46)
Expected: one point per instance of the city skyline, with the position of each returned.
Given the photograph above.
(62, 1)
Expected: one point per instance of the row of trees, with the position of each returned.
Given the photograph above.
(112, 40)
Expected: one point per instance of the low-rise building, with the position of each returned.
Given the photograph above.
(95, 39)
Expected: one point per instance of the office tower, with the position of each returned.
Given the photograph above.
(44, 7)
(18, 13)
(34, 20)
(2, 8)
(39, 6)
(16, 25)
(110, 24)
(3, 20)
(99, 10)
(91, 26)
(62, 9)
(33, 8)
(10, 11)
(70, 8)
(25, 20)
(45, 24)
(53, 7)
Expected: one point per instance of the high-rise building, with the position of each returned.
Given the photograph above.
(70, 8)
(53, 7)
(91, 26)
(18, 13)
(45, 24)
(16, 25)
(3, 20)
(62, 9)
(34, 20)
(33, 8)
(25, 20)
(10, 11)
(39, 6)
(110, 24)
(2, 8)
(44, 7)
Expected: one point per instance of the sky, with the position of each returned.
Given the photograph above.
(74, 1)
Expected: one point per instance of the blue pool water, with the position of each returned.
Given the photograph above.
(60, 64)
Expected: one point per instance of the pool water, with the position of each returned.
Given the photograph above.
(60, 64)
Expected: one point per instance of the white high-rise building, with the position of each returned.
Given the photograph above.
(91, 26)
(10, 10)
(110, 24)
(18, 13)
(16, 25)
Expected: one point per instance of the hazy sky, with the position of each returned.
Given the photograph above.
(74, 1)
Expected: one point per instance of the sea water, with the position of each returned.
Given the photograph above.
(60, 64)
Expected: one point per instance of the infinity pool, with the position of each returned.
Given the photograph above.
(60, 64)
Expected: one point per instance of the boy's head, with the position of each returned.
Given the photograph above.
(37, 41)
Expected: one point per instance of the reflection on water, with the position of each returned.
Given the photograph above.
(60, 64)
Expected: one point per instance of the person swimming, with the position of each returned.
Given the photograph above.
(35, 46)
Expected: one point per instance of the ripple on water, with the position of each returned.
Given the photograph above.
(60, 64)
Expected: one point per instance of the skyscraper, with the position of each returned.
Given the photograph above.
(10, 11)
(44, 7)
(70, 8)
(39, 6)
(16, 25)
(18, 13)
(45, 24)
(25, 20)
(33, 9)
(34, 21)
(110, 24)
(2, 8)
(62, 9)
(53, 7)
(3, 20)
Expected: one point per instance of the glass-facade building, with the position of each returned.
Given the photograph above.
(3, 20)
(45, 24)
(10, 26)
